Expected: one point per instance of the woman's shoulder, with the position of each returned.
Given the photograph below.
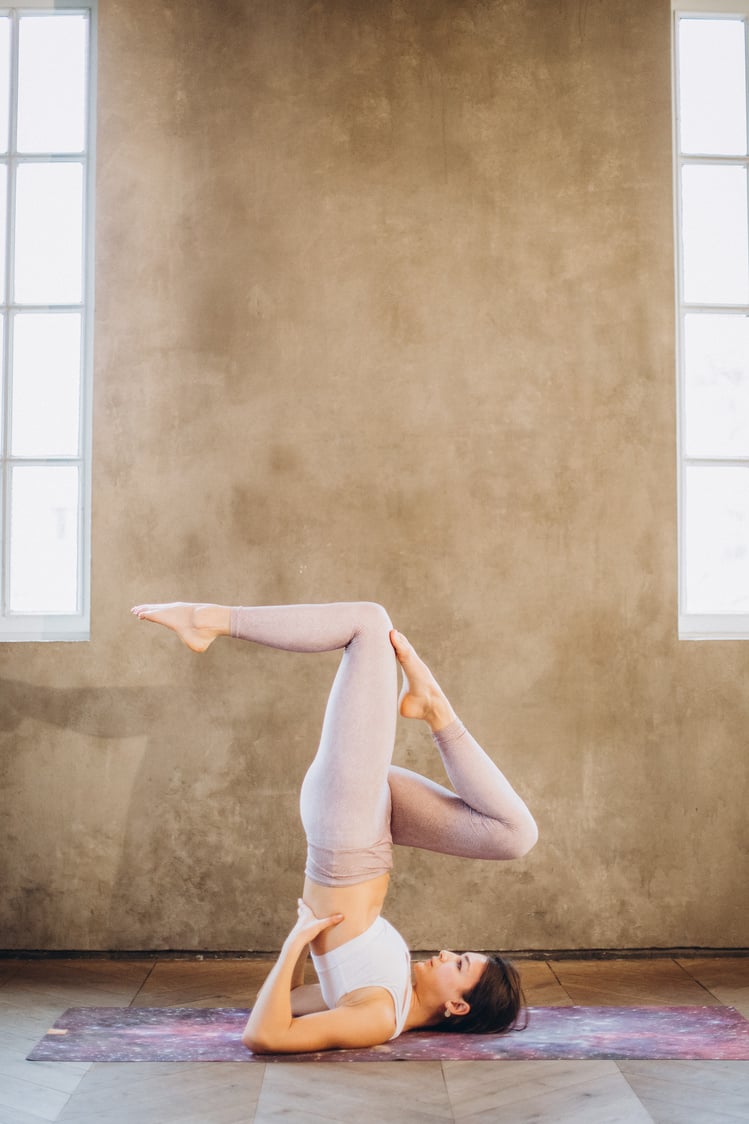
(371, 997)
(376, 1007)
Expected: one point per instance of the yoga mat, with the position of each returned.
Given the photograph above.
(202, 1034)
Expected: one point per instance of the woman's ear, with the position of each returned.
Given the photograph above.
(457, 1007)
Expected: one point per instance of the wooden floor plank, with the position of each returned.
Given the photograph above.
(58, 984)
(107, 975)
(35, 1016)
(17, 1042)
(540, 985)
(8, 967)
(540, 1090)
(718, 970)
(208, 983)
(165, 1092)
(36, 1099)
(62, 1076)
(365, 1092)
(725, 978)
(697, 1092)
(18, 1116)
(647, 983)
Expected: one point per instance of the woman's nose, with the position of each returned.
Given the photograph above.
(444, 954)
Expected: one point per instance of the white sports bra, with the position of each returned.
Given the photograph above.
(378, 957)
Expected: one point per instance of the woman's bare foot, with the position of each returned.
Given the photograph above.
(196, 625)
(421, 697)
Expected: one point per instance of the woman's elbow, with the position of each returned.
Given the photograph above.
(256, 1043)
(260, 1039)
(517, 842)
(251, 1042)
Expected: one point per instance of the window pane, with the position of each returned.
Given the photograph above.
(52, 83)
(49, 204)
(712, 98)
(46, 384)
(44, 539)
(3, 205)
(2, 384)
(716, 254)
(4, 81)
(716, 369)
(717, 539)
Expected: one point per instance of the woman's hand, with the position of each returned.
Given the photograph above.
(308, 926)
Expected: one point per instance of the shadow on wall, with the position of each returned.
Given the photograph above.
(148, 871)
(98, 712)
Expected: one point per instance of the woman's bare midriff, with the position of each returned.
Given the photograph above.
(360, 905)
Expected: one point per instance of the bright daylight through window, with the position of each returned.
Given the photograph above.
(46, 204)
(711, 49)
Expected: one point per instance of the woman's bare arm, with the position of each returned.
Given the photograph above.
(306, 999)
(274, 1028)
(297, 976)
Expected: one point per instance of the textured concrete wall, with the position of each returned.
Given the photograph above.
(384, 310)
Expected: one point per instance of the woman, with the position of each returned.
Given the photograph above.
(354, 806)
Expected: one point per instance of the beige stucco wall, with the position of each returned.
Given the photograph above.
(384, 310)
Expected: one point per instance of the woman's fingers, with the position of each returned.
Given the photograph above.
(308, 920)
(335, 919)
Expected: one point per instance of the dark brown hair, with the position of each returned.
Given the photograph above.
(496, 1002)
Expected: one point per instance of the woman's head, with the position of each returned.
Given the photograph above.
(495, 1003)
(472, 993)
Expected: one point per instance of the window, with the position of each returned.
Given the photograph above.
(711, 48)
(46, 306)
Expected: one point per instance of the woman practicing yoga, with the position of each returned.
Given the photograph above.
(355, 804)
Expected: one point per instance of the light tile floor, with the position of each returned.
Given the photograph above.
(33, 993)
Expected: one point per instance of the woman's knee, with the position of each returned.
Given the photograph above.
(372, 617)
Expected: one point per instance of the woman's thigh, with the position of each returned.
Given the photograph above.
(345, 798)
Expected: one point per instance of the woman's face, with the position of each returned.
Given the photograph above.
(443, 980)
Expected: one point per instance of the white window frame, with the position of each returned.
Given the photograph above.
(718, 625)
(52, 626)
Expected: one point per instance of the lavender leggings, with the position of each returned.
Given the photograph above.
(354, 803)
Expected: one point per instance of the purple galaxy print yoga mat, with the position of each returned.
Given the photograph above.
(189, 1034)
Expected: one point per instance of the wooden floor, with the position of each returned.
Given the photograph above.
(33, 993)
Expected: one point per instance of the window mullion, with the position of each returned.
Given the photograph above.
(714, 160)
(733, 309)
(716, 462)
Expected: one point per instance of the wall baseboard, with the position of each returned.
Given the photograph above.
(514, 954)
